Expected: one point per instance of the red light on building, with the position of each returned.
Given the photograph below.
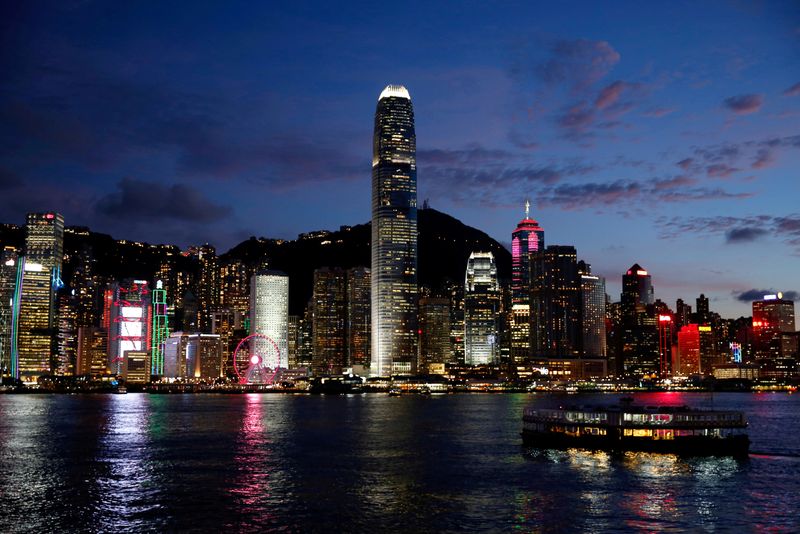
(664, 318)
(640, 273)
(49, 216)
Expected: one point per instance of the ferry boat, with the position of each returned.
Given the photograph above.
(665, 429)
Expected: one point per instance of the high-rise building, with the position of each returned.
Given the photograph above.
(434, 338)
(358, 317)
(457, 323)
(92, 351)
(8, 280)
(129, 324)
(394, 235)
(330, 320)
(526, 239)
(556, 303)
(703, 315)
(688, 351)
(38, 279)
(593, 313)
(208, 286)
(481, 310)
(269, 315)
(67, 354)
(159, 330)
(639, 335)
(772, 316)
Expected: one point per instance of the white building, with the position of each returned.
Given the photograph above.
(269, 315)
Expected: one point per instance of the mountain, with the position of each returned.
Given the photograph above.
(444, 246)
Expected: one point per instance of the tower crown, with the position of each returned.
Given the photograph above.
(394, 90)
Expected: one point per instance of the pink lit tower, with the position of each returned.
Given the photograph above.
(527, 239)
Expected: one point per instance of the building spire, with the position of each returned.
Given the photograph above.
(527, 208)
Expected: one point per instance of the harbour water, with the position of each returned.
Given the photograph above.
(365, 463)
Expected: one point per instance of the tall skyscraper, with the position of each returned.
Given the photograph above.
(772, 316)
(556, 302)
(639, 349)
(358, 317)
(526, 239)
(129, 323)
(8, 280)
(38, 279)
(481, 310)
(394, 235)
(269, 315)
(434, 325)
(208, 286)
(330, 320)
(593, 312)
(159, 331)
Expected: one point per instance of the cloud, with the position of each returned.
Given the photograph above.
(764, 158)
(153, 202)
(659, 112)
(746, 234)
(751, 295)
(744, 104)
(579, 63)
(739, 229)
(793, 90)
(609, 95)
(720, 170)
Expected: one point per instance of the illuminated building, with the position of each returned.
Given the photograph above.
(67, 354)
(92, 351)
(269, 313)
(330, 320)
(358, 317)
(457, 324)
(193, 356)
(230, 325)
(772, 316)
(526, 239)
(703, 315)
(665, 326)
(294, 340)
(683, 314)
(129, 322)
(481, 310)
(639, 329)
(208, 286)
(593, 312)
(135, 366)
(434, 338)
(234, 287)
(556, 302)
(159, 330)
(38, 279)
(8, 279)
(688, 350)
(394, 235)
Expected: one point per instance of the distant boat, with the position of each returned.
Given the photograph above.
(424, 390)
(395, 392)
(121, 390)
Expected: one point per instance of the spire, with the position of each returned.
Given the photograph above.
(527, 208)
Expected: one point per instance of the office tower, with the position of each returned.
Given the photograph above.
(772, 316)
(305, 350)
(456, 324)
(8, 280)
(129, 324)
(67, 342)
(207, 286)
(434, 338)
(666, 325)
(159, 330)
(136, 367)
(688, 350)
(358, 317)
(683, 314)
(330, 320)
(556, 302)
(639, 335)
(703, 315)
(92, 351)
(481, 310)
(230, 325)
(294, 340)
(526, 239)
(234, 286)
(269, 315)
(38, 279)
(593, 312)
(87, 287)
(394, 235)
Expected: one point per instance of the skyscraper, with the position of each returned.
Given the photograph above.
(330, 320)
(593, 313)
(526, 239)
(639, 340)
(8, 279)
(434, 325)
(772, 316)
(129, 323)
(358, 317)
(556, 302)
(269, 315)
(481, 310)
(38, 280)
(394, 235)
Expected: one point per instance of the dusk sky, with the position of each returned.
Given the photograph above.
(665, 134)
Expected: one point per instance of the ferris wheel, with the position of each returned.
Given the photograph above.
(256, 359)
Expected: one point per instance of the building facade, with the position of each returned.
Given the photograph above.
(482, 309)
(394, 235)
(526, 239)
(269, 315)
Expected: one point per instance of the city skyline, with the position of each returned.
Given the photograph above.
(632, 142)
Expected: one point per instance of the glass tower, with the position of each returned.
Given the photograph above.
(481, 310)
(394, 235)
(526, 239)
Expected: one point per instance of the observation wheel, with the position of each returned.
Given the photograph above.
(256, 359)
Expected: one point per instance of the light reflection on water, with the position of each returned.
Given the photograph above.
(251, 463)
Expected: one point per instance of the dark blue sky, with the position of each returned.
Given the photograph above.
(664, 134)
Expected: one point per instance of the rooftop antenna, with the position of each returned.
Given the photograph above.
(527, 208)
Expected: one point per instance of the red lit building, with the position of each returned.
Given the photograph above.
(772, 317)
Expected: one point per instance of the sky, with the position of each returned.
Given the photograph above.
(660, 133)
